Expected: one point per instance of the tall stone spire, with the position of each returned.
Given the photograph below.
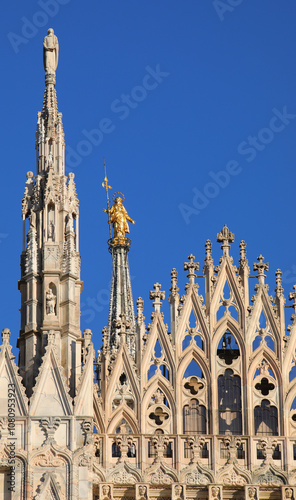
(121, 310)
(50, 263)
(121, 300)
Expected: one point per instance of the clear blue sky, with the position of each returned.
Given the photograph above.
(196, 93)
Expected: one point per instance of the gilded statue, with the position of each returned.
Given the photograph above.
(118, 217)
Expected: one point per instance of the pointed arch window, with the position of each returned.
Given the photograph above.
(266, 419)
(194, 418)
(228, 349)
(229, 403)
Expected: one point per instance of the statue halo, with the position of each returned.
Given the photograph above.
(118, 192)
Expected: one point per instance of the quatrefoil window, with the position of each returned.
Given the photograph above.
(193, 385)
(159, 415)
(264, 386)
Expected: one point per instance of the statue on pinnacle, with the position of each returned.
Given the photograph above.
(117, 215)
(50, 53)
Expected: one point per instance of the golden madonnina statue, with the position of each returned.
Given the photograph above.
(118, 217)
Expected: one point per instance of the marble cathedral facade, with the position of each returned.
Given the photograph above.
(202, 408)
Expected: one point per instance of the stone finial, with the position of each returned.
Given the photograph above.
(278, 278)
(267, 446)
(208, 245)
(125, 442)
(140, 317)
(50, 56)
(49, 425)
(5, 334)
(191, 267)
(232, 443)
(225, 237)
(174, 279)
(292, 296)
(196, 444)
(261, 266)
(159, 443)
(243, 249)
(157, 295)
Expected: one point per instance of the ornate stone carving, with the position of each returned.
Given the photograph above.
(106, 492)
(49, 425)
(49, 459)
(124, 473)
(178, 492)
(251, 492)
(142, 492)
(215, 492)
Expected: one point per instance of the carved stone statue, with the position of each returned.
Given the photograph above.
(142, 492)
(288, 493)
(106, 492)
(32, 219)
(50, 234)
(50, 52)
(69, 225)
(252, 493)
(118, 218)
(215, 492)
(178, 491)
(50, 302)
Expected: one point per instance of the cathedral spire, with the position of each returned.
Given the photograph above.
(50, 145)
(121, 300)
(50, 264)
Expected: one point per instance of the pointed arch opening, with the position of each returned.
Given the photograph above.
(228, 349)
(266, 419)
(193, 369)
(194, 418)
(229, 403)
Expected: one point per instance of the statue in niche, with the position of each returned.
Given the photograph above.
(32, 219)
(142, 492)
(215, 492)
(50, 302)
(50, 231)
(106, 492)
(118, 217)
(178, 492)
(252, 493)
(50, 52)
(69, 225)
(288, 493)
